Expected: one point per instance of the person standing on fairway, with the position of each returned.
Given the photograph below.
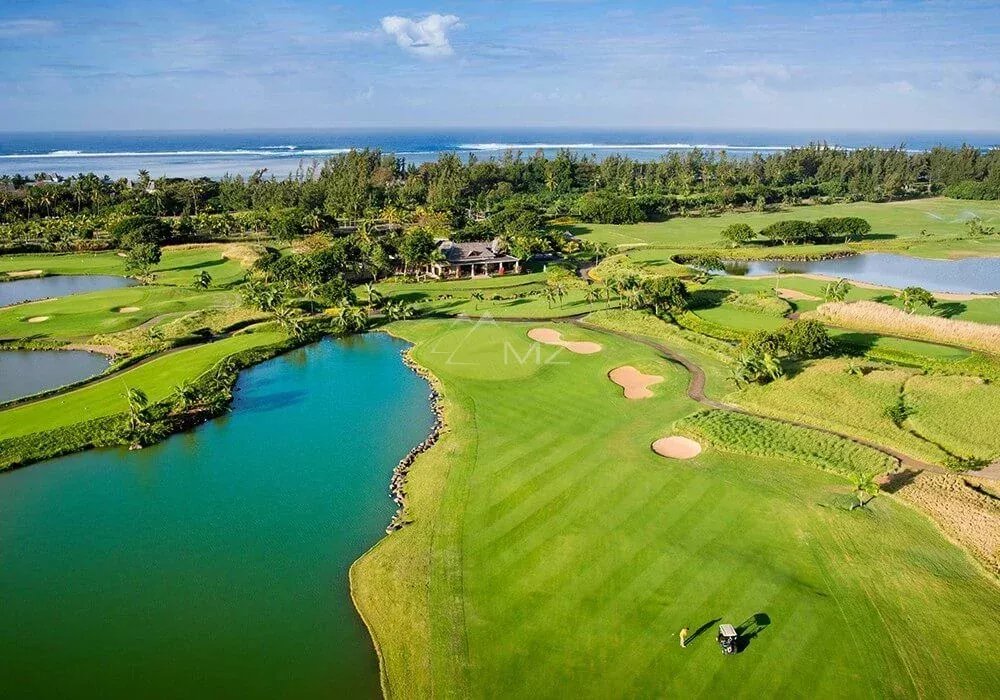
(684, 635)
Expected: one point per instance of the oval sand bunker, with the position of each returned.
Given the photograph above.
(128, 309)
(551, 337)
(635, 383)
(677, 447)
(38, 319)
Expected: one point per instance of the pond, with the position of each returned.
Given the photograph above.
(18, 291)
(27, 372)
(213, 564)
(966, 276)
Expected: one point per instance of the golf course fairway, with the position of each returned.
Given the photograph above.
(552, 553)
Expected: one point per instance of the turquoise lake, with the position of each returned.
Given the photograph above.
(214, 564)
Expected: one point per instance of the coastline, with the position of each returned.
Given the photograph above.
(397, 488)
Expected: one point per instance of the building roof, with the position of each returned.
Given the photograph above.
(474, 252)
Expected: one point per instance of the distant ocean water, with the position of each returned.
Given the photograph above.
(215, 153)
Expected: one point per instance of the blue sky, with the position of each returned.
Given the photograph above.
(183, 64)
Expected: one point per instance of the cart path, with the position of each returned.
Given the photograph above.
(696, 392)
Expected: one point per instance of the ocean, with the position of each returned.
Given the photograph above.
(280, 152)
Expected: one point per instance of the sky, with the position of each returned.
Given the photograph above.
(215, 64)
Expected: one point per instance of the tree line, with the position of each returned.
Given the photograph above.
(512, 194)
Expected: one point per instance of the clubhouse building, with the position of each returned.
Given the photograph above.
(473, 259)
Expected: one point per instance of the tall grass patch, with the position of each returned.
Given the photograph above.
(881, 318)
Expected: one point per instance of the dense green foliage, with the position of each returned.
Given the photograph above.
(370, 185)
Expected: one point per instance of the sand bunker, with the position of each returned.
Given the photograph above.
(677, 447)
(24, 273)
(551, 337)
(38, 319)
(635, 383)
(128, 309)
(795, 295)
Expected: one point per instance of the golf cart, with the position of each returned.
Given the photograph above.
(727, 639)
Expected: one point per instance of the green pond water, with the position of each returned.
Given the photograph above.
(214, 564)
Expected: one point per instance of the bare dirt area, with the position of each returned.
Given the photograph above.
(966, 511)
(38, 319)
(128, 309)
(25, 273)
(676, 447)
(635, 383)
(795, 295)
(551, 337)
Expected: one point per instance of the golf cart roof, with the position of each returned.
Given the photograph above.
(727, 631)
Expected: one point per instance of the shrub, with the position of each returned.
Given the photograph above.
(791, 231)
(805, 339)
(738, 234)
(608, 208)
(846, 227)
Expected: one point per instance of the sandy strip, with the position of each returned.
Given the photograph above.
(128, 309)
(38, 319)
(25, 273)
(635, 383)
(677, 447)
(551, 337)
(90, 347)
(795, 295)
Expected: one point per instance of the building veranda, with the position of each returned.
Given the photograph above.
(473, 259)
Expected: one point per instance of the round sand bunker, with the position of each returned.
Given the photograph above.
(676, 447)
(635, 383)
(551, 337)
(128, 309)
(38, 319)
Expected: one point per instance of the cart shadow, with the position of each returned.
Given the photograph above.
(750, 628)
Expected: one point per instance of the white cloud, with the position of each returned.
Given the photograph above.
(25, 27)
(425, 37)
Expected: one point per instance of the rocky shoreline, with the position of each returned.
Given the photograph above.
(397, 485)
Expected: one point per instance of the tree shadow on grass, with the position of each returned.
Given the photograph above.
(193, 266)
(898, 480)
(950, 309)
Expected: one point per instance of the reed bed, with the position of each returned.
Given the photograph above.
(881, 318)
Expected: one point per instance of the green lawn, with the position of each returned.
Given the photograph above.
(553, 554)
(959, 413)
(80, 316)
(157, 378)
(179, 265)
(904, 223)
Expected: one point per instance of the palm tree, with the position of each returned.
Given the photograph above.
(203, 280)
(478, 297)
(913, 297)
(592, 294)
(138, 419)
(836, 291)
(186, 393)
(288, 318)
(551, 295)
(375, 297)
(864, 485)
(778, 272)
(398, 310)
